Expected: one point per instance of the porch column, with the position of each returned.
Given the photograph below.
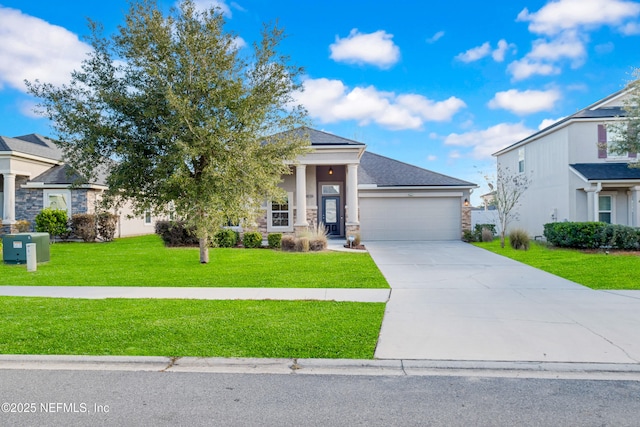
(301, 197)
(593, 207)
(9, 189)
(352, 224)
(634, 206)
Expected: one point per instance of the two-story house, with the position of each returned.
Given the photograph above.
(573, 174)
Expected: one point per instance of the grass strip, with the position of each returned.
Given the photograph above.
(144, 261)
(595, 270)
(139, 327)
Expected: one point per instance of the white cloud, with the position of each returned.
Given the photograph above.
(432, 157)
(34, 49)
(548, 122)
(475, 53)
(28, 109)
(566, 46)
(484, 50)
(376, 49)
(525, 68)
(332, 101)
(499, 53)
(525, 102)
(560, 15)
(223, 7)
(437, 36)
(488, 141)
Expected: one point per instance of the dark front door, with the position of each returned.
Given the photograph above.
(331, 214)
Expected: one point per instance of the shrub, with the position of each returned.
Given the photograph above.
(52, 221)
(176, 233)
(487, 235)
(574, 234)
(107, 223)
(519, 239)
(226, 238)
(288, 243)
(467, 236)
(84, 227)
(302, 244)
(23, 226)
(479, 228)
(620, 237)
(252, 239)
(317, 237)
(275, 240)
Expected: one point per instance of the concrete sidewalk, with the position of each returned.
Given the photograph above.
(287, 294)
(454, 301)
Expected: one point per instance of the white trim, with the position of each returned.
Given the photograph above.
(30, 157)
(42, 185)
(270, 227)
(612, 195)
(411, 194)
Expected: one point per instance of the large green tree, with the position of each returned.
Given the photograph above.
(627, 131)
(179, 114)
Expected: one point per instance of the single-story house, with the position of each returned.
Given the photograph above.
(574, 176)
(352, 190)
(33, 176)
(338, 183)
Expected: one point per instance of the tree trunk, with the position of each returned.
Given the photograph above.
(502, 239)
(204, 250)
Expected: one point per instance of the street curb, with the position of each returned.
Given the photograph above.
(378, 367)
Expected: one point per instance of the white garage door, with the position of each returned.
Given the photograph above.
(418, 218)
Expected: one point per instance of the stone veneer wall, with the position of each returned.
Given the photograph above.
(29, 201)
(466, 218)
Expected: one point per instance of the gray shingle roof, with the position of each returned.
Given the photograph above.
(607, 171)
(318, 137)
(33, 144)
(63, 174)
(386, 172)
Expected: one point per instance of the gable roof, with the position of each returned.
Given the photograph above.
(33, 144)
(385, 172)
(607, 171)
(597, 110)
(318, 137)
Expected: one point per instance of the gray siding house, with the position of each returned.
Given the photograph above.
(574, 176)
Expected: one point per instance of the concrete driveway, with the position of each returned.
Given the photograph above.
(454, 301)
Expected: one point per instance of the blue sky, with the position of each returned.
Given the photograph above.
(441, 85)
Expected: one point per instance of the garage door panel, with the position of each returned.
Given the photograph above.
(426, 218)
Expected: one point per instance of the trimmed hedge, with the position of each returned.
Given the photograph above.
(592, 235)
(52, 221)
(275, 240)
(252, 239)
(176, 233)
(84, 227)
(226, 238)
(107, 223)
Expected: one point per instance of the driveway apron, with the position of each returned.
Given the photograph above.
(454, 301)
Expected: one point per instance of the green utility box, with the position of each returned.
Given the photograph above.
(14, 247)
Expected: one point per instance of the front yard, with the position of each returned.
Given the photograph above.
(288, 329)
(144, 261)
(594, 269)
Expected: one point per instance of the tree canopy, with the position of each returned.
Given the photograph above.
(180, 115)
(627, 132)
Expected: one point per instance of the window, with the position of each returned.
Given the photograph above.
(147, 217)
(521, 160)
(280, 215)
(57, 199)
(330, 190)
(613, 135)
(605, 209)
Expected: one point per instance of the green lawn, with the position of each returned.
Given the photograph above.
(595, 270)
(303, 329)
(144, 261)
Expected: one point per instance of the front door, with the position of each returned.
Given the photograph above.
(331, 214)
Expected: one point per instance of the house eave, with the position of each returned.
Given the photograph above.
(43, 185)
(20, 155)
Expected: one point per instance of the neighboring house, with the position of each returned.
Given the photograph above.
(353, 191)
(574, 176)
(33, 177)
(337, 183)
